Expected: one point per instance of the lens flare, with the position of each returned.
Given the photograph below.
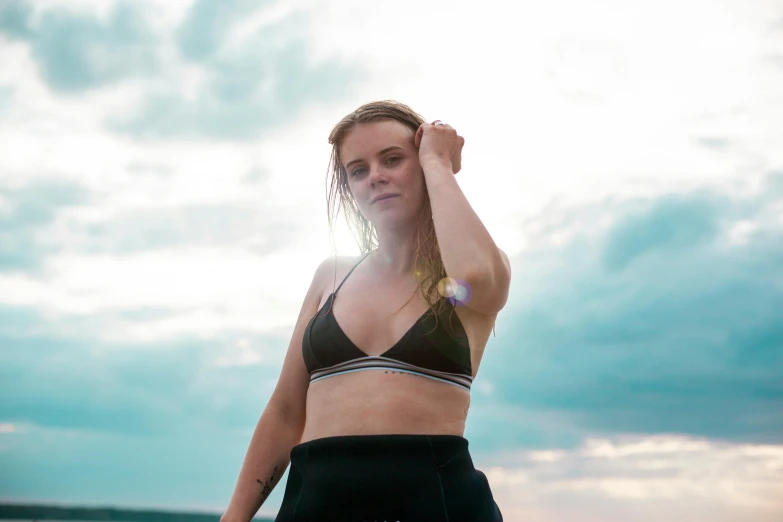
(457, 291)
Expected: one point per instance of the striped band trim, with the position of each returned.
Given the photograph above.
(385, 363)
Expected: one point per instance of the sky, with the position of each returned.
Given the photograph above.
(163, 208)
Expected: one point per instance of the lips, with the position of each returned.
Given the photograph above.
(384, 196)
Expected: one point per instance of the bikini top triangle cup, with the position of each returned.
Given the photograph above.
(441, 353)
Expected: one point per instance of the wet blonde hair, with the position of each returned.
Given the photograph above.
(428, 266)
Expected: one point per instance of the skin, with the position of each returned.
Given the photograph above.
(378, 402)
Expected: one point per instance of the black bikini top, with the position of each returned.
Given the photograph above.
(441, 353)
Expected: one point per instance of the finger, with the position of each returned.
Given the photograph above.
(419, 133)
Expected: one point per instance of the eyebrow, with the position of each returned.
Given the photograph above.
(381, 153)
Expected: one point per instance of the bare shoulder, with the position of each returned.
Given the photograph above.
(332, 270)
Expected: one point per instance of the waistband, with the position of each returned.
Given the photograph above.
(440, 448)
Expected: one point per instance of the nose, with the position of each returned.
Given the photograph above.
(377, 174)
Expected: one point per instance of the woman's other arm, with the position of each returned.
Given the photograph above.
(281, 424)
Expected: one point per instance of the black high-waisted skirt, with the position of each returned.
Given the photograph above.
(386, 478)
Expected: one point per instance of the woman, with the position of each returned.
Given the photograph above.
(371, 403)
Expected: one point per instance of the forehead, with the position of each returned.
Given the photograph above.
(366, 139)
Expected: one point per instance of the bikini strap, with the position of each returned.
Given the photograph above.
(352, 269)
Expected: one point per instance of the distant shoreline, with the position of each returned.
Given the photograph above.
(36, 512)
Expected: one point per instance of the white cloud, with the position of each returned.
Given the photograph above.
(8, 427)
(641, 478)
(242, 354)
(209, 290)
(167, 14)
(571, 109)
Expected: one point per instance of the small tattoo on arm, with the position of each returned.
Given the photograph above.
(267, 489)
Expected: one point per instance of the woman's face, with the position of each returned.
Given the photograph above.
(380, 158)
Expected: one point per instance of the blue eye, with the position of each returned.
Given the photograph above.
(355, 172)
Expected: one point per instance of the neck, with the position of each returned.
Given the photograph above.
(394, 255)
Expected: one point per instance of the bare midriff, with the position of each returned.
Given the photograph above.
(376, 402)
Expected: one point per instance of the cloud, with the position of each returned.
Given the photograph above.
(25, 214)
(15, 19)
(34, 226)
(718, 144)
(673, 223)
(6, 98)
(208, 25)
(665, 324)
(81, 384)
(202, 225)
(644, 478)
(245, 89)
(78, 51)
(219, 82)
(774, 59)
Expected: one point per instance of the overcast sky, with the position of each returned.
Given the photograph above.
(163, 208)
